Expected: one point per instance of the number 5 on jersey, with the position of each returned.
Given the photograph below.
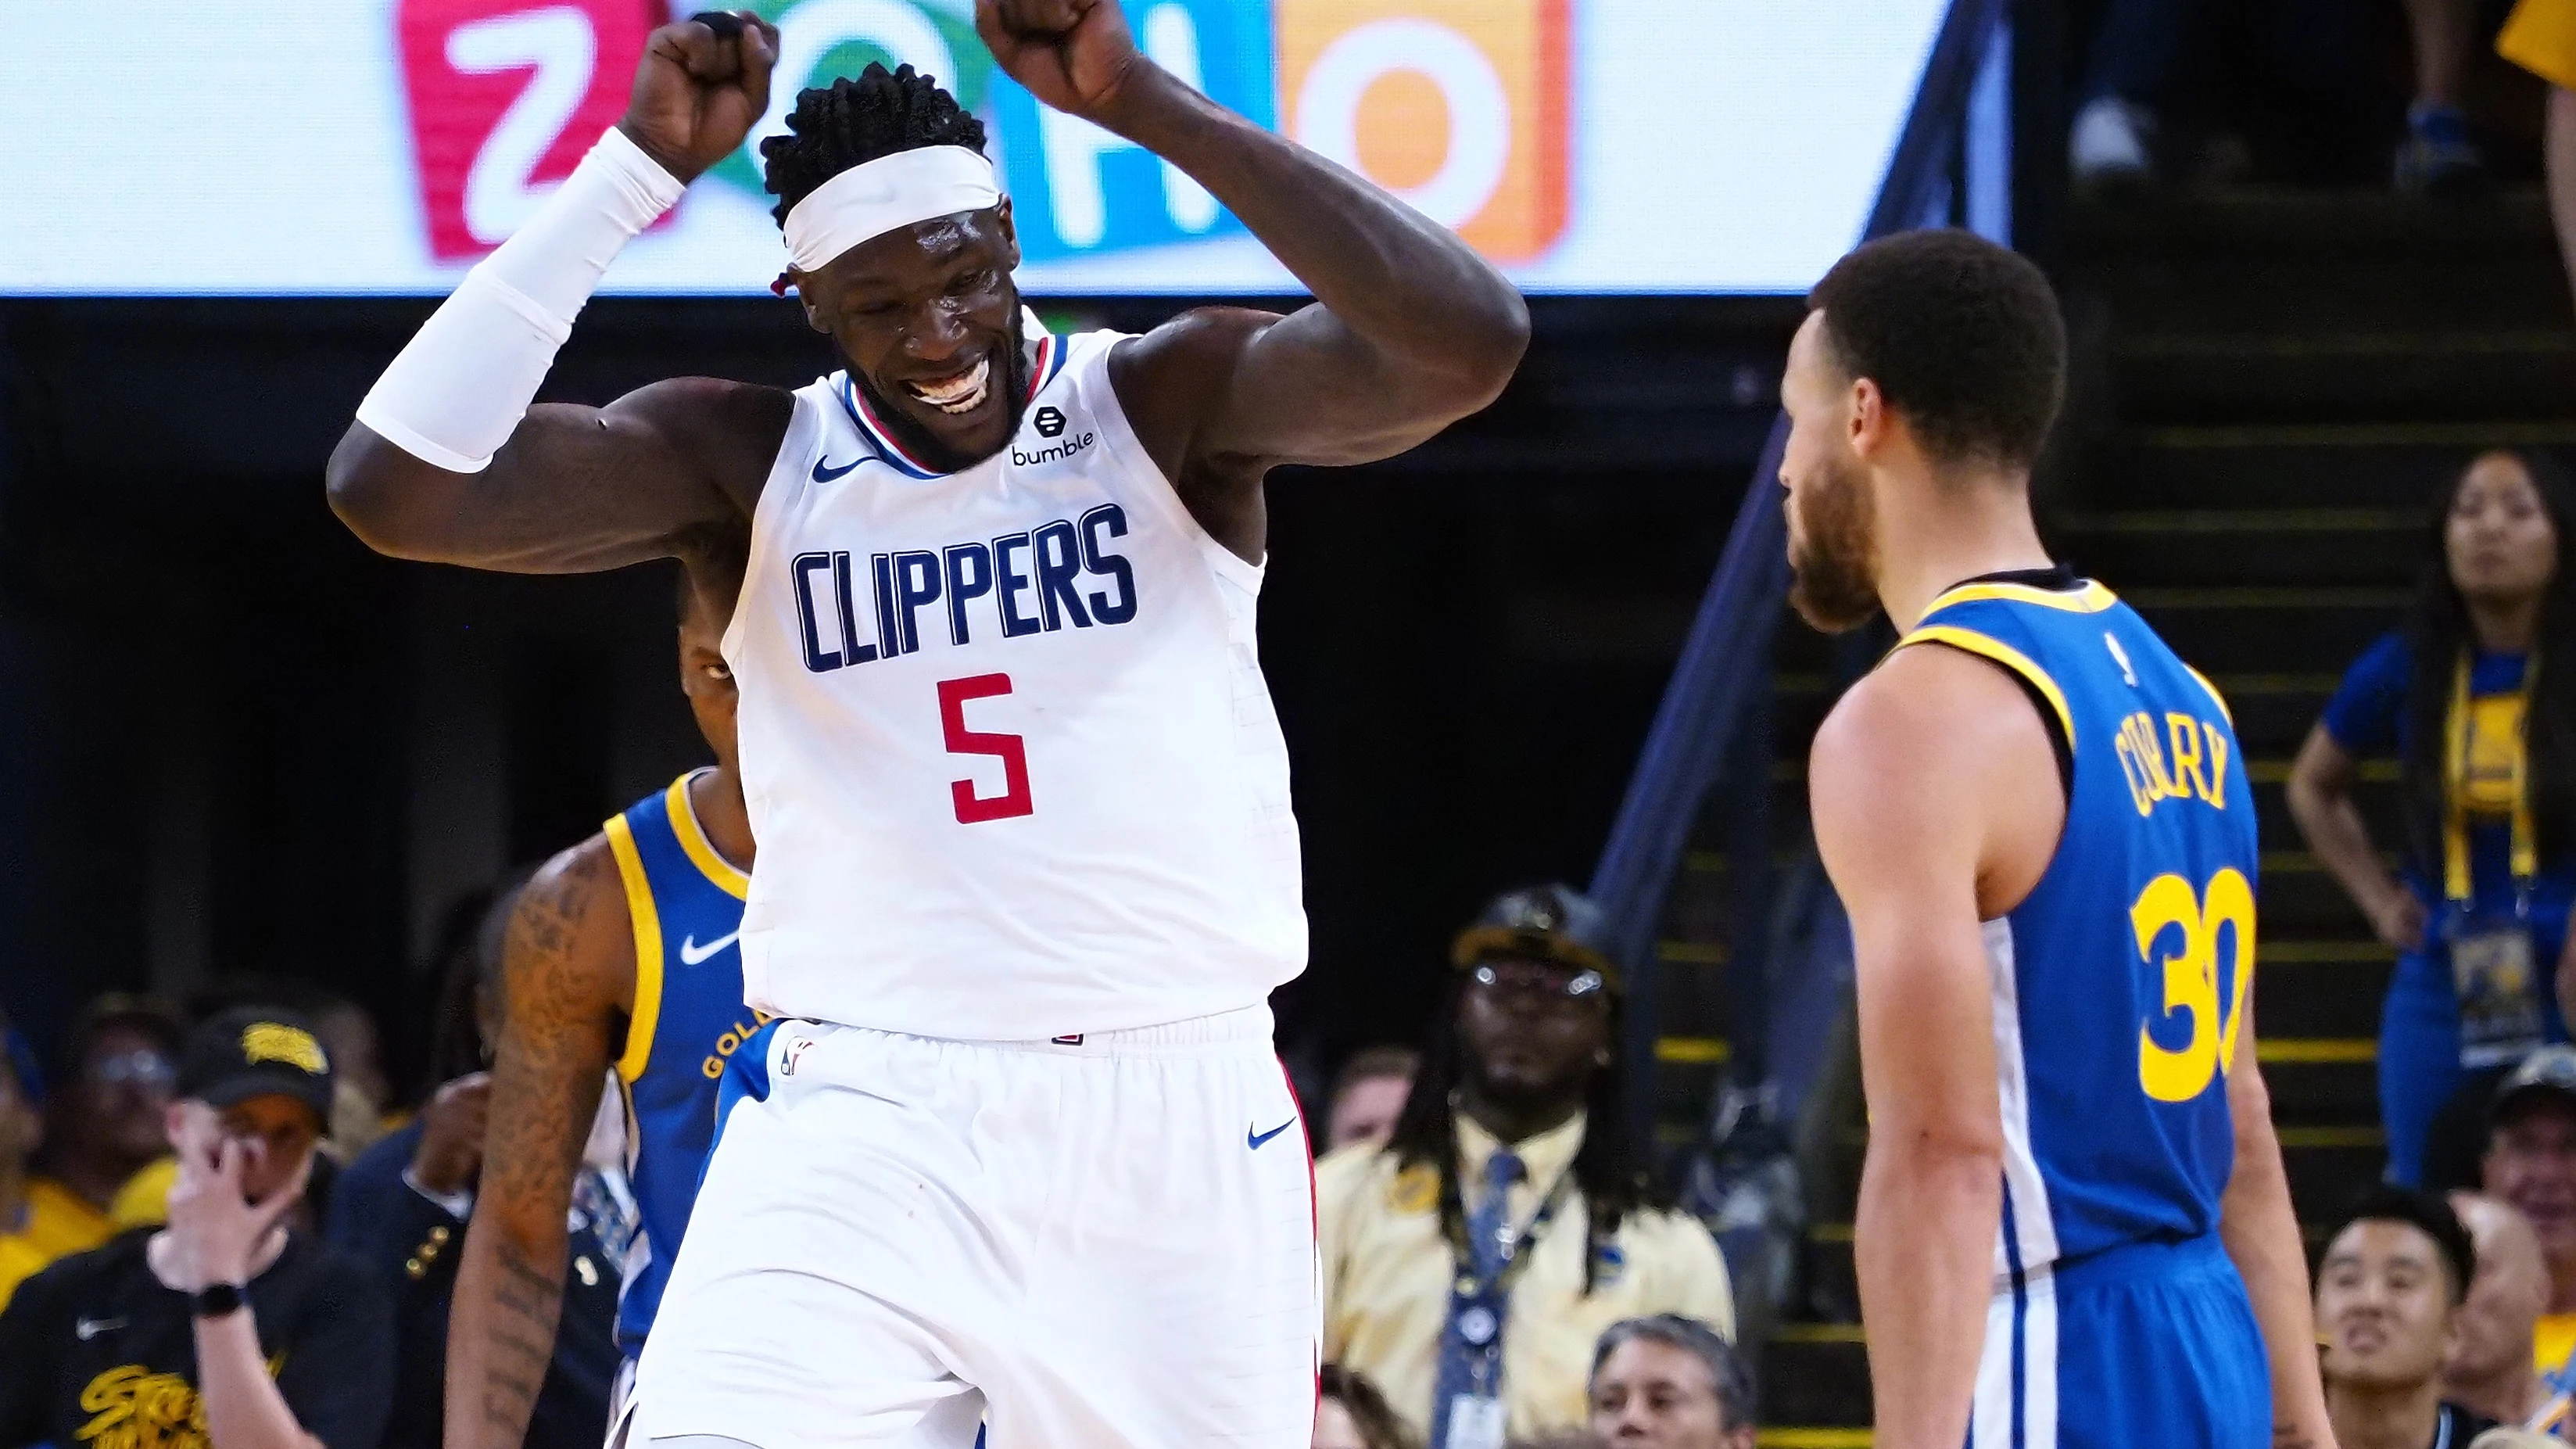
(2169, 908)
(1011, 750)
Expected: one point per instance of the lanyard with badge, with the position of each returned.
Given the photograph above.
(1480, 1297)
(2491, 951)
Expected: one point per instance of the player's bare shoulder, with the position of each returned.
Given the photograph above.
(730, 432)
(1937, 745)
(1920, 709)
(570, 953)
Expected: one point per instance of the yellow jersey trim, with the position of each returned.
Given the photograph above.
(693, 839)
(2007, 656)
(647, 1015)
(2217, 698)
(2093, 598)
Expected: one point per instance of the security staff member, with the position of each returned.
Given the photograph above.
(1472, 1263)
(225, 1329)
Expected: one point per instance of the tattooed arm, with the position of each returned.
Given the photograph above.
(570, 964)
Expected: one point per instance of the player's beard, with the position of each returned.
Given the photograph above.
(1835, 557)
(925, 445)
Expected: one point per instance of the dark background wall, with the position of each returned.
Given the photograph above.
(235, 742)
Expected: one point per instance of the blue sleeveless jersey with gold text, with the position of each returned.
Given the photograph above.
(685, 902)
(2119, 988)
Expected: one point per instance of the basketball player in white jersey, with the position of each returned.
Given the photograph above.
(1027, 866)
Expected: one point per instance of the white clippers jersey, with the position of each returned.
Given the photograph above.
(1008, 751)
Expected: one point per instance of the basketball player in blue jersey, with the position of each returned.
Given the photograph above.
(1017, 1149)
(2073, 1226)
(620, 956)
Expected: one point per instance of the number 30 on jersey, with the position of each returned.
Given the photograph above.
(2184, 924)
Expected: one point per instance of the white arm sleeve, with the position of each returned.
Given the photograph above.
(452, 397)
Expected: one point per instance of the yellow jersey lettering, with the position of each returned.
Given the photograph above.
(2183, 733)
(2217, 763)
(731, 1042)
(2141, 785)
(2168, 907)
(2195, 770)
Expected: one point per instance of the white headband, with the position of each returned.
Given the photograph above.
(876, 197)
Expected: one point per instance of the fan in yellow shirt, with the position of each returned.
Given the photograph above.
(34, 1229)
(106, 1119)
(1471, 1263)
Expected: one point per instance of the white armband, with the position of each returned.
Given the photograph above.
(453, 396)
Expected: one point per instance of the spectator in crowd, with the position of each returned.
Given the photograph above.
(1351, 1414)
(348, 1033)
(2388, 1306)
(2484, 725)
(22, 1126)
(1670, 1382)
(402, 1208)
(226, 1328)
(2491, 1371)
(1369, 1095)
(2531, 1163)
(1472, 1262)
(105, 1123)
(357, 1106)
(2437, 156)
(2129, 72)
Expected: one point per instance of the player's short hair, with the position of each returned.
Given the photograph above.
(1963, 338)
(857, 119)
(2429, 1213)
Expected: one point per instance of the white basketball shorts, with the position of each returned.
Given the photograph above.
(1096, 1244)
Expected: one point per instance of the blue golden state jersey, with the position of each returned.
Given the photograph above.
(685, 902)
(2120, 983)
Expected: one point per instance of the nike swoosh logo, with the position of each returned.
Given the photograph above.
(1254, 1139)
(89, 1328)
(691, 953)
(825, 474)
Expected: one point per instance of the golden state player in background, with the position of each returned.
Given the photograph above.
(2073, 1225)
(621, 956)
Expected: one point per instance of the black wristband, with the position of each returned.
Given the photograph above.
(724, 23)
(216, 1299)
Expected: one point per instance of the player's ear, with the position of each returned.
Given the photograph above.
(804, 286)
(1010, 232)
(1866, 417)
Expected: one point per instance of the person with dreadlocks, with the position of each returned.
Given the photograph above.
(1028, 867)
(1472, 1263)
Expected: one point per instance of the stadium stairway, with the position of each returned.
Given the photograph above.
(2268, 387)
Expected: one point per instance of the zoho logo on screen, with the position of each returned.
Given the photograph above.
(1459, 106)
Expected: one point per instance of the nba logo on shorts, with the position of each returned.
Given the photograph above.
(1458, 106)
(794, 1049)
(506, 96)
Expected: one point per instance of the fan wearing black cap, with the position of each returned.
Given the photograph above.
(2530, 1162)
(1471, 1264)
(224, 1329)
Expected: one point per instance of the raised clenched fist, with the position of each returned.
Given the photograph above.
(1072, 54)
(700, 89)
